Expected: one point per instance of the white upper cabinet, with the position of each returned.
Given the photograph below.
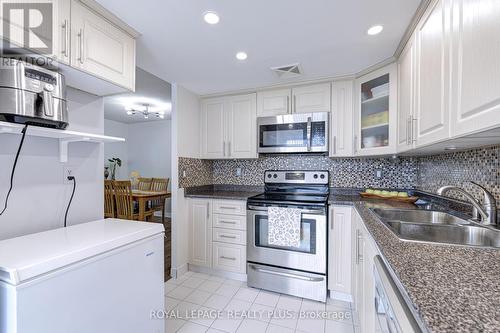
(406, 82)
(228, 127)
(213, 137)
(273, 102)
(375, 116)
(100, 48)
(303, 99)
(475, 66)
(241, 129)
(62, 31)
(312, 98)
(432, 116)
(341, 119)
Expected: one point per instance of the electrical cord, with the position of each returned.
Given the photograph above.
(14, 169)
(70, 199)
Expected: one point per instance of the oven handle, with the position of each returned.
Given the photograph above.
(303, 211)
(309, 137)
(289, 275)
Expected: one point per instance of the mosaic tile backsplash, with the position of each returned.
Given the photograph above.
(353, 172)
(425, 173)
(480, 165)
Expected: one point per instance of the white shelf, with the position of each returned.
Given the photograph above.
(374, 126)
(65, 137)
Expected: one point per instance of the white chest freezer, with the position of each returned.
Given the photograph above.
(98, 277)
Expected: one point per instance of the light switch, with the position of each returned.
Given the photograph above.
(238, 172)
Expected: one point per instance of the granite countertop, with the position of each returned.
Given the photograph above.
(227, 192)
(452, 288)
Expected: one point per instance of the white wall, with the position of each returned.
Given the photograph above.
(117, 149)
(185, 143)
(39, 197)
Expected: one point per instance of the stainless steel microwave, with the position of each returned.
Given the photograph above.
(293, 133)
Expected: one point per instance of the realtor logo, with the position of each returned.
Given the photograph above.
(27, 28)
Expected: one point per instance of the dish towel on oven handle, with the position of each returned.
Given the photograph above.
(284, 226)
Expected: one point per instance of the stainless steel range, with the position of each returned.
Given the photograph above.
(299, 271)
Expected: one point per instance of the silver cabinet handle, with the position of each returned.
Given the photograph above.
(227, 222)
(227, 207)
(65, 31)
(226, 236)
(293, 276)
(355, 144)
(412, 130)
(228, 258)
(408, 131)
(294, 104)
(334, 145)
(288, 110)
(208, 210)
(229, 148)
(359, 237)
(81, 46)
(309, 136)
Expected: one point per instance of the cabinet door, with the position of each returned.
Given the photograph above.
(341, 119)
(241, 126)
(339, 248)
(375, 120)
(313, 98)
(100, 48)
(273, 102)
(432, 115)
(406, 73)
(200, 233)
(213, 139)
(356, 260)
(62, 31)
(475, 66)
(367, 316)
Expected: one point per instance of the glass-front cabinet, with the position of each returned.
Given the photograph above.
(376, 112)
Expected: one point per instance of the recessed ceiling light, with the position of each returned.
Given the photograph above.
(375, 30)
(241, 55)
(450, 148)
(211, 17)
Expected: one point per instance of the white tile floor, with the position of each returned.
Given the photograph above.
(279, 313)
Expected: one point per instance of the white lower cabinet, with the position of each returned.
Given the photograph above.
(217, 234)
(229, 257)
(339, 252)
(363, 287)
(200, 232)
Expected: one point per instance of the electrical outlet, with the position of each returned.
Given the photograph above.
(67, 172)
(238, 172)
(183, 173)
(378, 173)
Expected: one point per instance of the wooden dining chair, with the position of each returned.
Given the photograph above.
(159, 185)
(109, 199)
(144, 184)
(124, 201)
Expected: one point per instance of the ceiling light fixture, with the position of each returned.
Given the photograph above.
(241, 55)
(211, 17)
(375, 30)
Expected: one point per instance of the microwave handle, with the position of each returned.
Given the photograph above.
(309, 136)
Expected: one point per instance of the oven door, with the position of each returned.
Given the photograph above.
(294, 133)
(310, 256)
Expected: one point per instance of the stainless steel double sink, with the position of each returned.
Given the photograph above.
(437, 227)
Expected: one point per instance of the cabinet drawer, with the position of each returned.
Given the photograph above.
(229, 257)
(229, 221)
(229, 236)
(234, 207)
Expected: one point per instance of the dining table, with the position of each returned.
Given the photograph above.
(142, 198)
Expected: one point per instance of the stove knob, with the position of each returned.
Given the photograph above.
(315, 176)
(275, 176)
(269, 175)
(322, 176)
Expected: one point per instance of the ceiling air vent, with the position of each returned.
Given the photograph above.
(287, 71)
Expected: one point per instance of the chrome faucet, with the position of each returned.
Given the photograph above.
(488, 211)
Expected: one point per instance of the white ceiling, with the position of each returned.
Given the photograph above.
(150, 90)
(327, 37)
